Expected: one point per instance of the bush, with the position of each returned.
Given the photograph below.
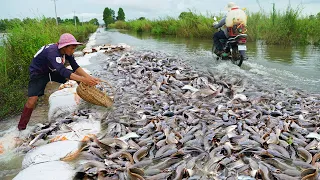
(286, 28)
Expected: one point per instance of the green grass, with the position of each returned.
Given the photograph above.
(285, 27)
(118, 25)
(194, 25)
(23, 41)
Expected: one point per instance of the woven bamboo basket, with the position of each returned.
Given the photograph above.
(94, 96)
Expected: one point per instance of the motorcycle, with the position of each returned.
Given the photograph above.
(234, 48)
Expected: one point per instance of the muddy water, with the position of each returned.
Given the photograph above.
(297, 67)
(2, 37)
(10, 162)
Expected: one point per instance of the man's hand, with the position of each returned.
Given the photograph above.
(91, 81)
(82, 76)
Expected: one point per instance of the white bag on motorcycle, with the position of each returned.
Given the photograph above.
(236, 16)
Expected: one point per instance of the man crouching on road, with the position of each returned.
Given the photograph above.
(48, 65)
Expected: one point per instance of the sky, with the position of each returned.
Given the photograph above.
(150, 9)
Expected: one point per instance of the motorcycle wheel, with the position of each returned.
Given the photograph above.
(214, 54)
(212, 49)
(236, 56)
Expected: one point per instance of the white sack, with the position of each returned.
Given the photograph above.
(62, 103)
(50, 152)
(80, 129)
(56, 170)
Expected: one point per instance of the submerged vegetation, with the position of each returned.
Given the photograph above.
(286, 27)
(23, 40)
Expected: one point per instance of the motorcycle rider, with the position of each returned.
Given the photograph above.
(224, 30)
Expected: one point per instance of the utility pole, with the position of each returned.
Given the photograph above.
(55, 10)
(74, 17)
(273, 15)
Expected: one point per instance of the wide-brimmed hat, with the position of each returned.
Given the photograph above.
(231, 5)
(67, 39)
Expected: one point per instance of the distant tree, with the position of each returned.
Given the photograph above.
(113, 15)
(28, 21)
(15, 21)
(94, 21)
(3, 25)
(51, 21)
(141, 18)
(318, 15)
(185, 15)
(60, 21)
(68, 21)
(312, 17)
(121, 15)
(108, 16)
(77, 20)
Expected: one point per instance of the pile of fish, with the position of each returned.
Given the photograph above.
(108, 48)
(172, 122)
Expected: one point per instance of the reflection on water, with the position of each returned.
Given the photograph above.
(10, 165)
(190, 44)
(292, 66)
(2, 38)
(278, 54)
(297, 66)
(10, 160)
(267, 65)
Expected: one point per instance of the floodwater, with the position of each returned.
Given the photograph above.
(10, 161)
(2, 38)
(295, 67)
(268, 66)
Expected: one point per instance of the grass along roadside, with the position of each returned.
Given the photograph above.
(288, 27)
(22, 42)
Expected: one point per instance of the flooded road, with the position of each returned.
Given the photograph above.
(296, 67)
(267, 66)
(2, 38)
(10, 161)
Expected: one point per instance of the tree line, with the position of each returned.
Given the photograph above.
(6, 24)
(109, 16)
(93, 21)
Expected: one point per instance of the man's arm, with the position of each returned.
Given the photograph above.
(79, 71)
(85, 79)
(221, 23)
(79, 74)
